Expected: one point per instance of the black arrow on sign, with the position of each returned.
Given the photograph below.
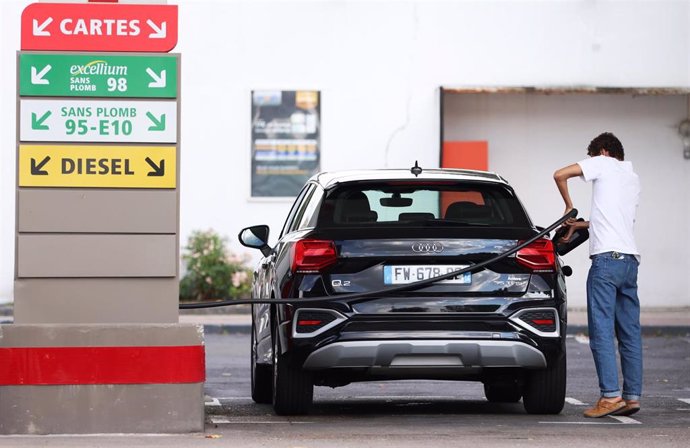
(36, 169)
(158, 171)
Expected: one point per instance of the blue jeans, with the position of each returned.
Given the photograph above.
(613, 308)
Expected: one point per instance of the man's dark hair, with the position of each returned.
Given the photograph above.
(606, 141)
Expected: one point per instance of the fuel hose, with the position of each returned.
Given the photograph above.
(384, 291)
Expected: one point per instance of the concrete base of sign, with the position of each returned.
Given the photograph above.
(86, 379)
(90, 409)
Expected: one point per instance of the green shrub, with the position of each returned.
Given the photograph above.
(212, 271)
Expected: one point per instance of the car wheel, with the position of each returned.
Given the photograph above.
(503, 392)
(261, 377)
(293, 389)
(544, 391)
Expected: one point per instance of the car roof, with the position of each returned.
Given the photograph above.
(330, 179)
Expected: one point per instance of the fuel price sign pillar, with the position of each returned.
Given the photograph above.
(96, 346)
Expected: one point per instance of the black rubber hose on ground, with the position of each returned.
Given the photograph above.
(385, 291)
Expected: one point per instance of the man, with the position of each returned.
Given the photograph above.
(612, 303)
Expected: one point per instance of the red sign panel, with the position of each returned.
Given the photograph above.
(99, 27)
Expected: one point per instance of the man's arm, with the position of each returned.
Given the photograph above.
(561, 177)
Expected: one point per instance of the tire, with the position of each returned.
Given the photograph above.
(503, 392)
(544, 391)
(261, 376)
(293, 389)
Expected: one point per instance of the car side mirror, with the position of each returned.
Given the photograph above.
(256, 237)
(578, 237)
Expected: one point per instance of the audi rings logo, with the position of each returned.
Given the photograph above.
(427, 247)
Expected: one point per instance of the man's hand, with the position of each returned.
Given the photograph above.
(573, 225)
(569, 234)
(566, 222)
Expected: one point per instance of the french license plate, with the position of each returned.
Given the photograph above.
(402, 274)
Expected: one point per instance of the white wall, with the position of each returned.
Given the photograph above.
(530, 136)
(379, 66)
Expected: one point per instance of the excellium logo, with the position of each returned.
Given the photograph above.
(98, 68)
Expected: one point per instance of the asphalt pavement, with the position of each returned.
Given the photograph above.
(402, 414)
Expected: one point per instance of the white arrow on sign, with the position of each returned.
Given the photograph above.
(37, 77)
(40, 30)
(158, 81)
(158, 32)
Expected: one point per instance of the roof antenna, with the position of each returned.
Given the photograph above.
(416, 169)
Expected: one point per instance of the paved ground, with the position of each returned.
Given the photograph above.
(410, 413)
(415, 413)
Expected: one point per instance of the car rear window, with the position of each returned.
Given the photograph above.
(413, 204)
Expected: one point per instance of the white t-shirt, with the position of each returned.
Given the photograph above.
(615, 195)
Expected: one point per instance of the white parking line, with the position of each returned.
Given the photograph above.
(685, 400)
(225, 421)
(580, 423)
(213, 402)
(582, 339)
(397, 397)
(219, 420)
(621, 420)
(626, 420)
(574, 401)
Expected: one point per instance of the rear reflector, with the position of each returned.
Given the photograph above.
(538, 256)
(310, 322)
(543, 321)
(310, 256)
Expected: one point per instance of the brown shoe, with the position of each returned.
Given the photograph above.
(630, 408)
(604, 408)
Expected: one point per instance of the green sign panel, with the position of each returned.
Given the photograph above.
(98, 75)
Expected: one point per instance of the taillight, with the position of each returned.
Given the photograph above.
(538, 256)
(310, 256)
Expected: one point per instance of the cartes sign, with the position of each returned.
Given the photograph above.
(103, 75)
(64, 120)
(97, 166)
(94, 27)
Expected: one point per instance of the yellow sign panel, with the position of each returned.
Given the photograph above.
(97, 166)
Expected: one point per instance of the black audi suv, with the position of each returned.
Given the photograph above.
(355, 232)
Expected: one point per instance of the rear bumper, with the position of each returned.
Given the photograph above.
(424, 354)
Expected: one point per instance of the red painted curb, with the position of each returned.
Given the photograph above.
(102, 365)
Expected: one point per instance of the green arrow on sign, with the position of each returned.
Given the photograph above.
(158, 124)
(37, 123)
